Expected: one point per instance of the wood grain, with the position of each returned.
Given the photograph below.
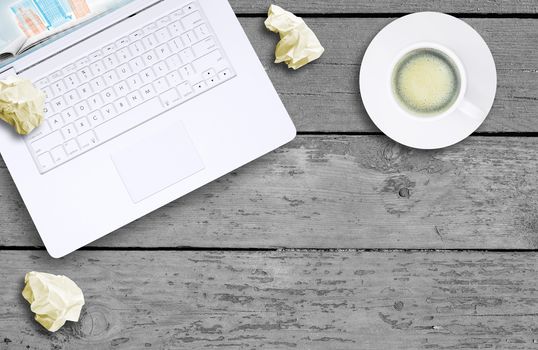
(343, 192)
(335, 7)
(282, 300)
(324, 96)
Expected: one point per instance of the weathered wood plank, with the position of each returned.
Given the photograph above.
(325, 95)
(280, 300)
(388, 6)
(343, 192)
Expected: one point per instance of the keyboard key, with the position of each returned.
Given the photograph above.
(56, 122)
(208, 61)
(174, 78)
(189, 8)
(176, 45)
(163, 22)
(135, 98)
(160, 68)
(187, 72)
(71, 97)
(95, 118)
(42, 83)
(210, 73)
(98, 84)
(121, 105)
(71, 81)
(124, 55)
(69, 115)
(39, 132)
(87, 140)
(163, 35)
(58, 88)
(148, 92)
(225, 74)
(175, 28)
(108, 95)
(84, 90)
(149, 58)
(111, 62)
(150, 28)
(191, 20)
(45, 161)
(82, 108)
(147, 75)
(71, 147)
(137, 64)
(84, 75)
(186, 55)
(137, 48)
(134, 82)
(44, 144)
(188, 38)
(201, 31)
(174, 62)
(83, 62)
(109, 112)
(170, 98)
(47, 110)
(185, 89)
(97, 68)
(163, 51)
(82, 125)
(96, 56)
(136, 35)
(176, 14)
(161, 85)
(59, 104)
(121, 88)
(150, 42)
(111, 78)
(199, 87)
(212, 81)
(109, 49)
(47, 91)
(95, 102)
(204, 47)
(69, 132)
(122, 42)
(58, 154)
(124, 71)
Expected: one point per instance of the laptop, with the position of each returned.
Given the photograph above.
(144, 104)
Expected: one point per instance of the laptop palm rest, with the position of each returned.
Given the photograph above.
(157, 162)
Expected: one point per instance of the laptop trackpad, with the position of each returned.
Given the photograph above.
(157, 162)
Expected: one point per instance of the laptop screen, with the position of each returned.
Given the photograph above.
(26, 25)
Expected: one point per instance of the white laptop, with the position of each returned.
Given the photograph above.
(144, 104)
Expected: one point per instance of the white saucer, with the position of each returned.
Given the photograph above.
(376, 70)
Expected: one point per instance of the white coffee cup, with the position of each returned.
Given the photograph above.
(461, 103)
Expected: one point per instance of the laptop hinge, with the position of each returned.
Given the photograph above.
(7, 72)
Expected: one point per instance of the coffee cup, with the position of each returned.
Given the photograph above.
(428, 80)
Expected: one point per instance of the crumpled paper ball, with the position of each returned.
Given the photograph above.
(54, 299)
(298, 44)
(21, 104)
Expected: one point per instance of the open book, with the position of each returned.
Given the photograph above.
(23, 43)
(29, 23)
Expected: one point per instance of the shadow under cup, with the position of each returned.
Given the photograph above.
(426, 81)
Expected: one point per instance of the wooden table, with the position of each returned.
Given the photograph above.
(342, 239)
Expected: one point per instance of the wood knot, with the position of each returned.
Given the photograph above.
(404, 192)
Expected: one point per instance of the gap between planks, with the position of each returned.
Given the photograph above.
(279, 250)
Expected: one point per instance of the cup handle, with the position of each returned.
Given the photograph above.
(470, 109)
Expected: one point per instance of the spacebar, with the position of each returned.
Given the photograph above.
(128, 120)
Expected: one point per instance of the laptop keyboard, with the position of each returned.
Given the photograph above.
(155, 68)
